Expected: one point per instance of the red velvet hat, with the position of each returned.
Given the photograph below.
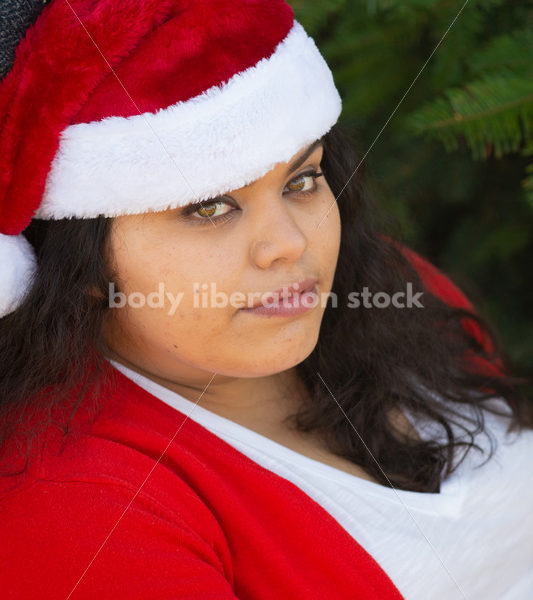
(116, 107)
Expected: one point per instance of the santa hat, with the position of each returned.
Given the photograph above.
(117, 107)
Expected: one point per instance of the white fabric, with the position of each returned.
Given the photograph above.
(220, 140)
(473, 540)
(17, 268)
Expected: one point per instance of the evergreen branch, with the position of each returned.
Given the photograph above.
(507, 50)
(495, 111)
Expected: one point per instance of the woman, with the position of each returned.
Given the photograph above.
(172, 425)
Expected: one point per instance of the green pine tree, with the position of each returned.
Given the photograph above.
(450, 155)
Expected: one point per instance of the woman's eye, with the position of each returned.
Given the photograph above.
(209, 211)
(212, 209)
(300, 183)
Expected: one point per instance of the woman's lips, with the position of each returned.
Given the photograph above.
(287, 290)
(305, 285)
(294, 304)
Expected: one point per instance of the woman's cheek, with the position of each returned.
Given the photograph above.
(326, 234)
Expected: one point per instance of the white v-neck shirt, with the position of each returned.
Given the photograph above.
(473, 540)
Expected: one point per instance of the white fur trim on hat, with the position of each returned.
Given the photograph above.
(220, 140)
(17, 266)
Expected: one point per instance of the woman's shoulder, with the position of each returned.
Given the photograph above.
(107, 492)
(102, 538)
(483, 432)
(119, 449)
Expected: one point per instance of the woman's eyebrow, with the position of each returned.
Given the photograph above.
(300, 160)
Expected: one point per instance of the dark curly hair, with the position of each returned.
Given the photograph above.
(372, 361)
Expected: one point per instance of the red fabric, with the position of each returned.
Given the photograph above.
(163, 51)
(208, 523)
(191, 52)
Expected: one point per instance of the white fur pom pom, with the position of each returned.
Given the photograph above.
(17, 266)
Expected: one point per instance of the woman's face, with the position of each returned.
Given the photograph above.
(254, 239)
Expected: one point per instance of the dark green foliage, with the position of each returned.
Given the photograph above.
(454, 164)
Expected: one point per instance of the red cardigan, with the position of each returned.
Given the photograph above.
(98, 514)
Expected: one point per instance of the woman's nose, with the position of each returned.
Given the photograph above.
(276, 234)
